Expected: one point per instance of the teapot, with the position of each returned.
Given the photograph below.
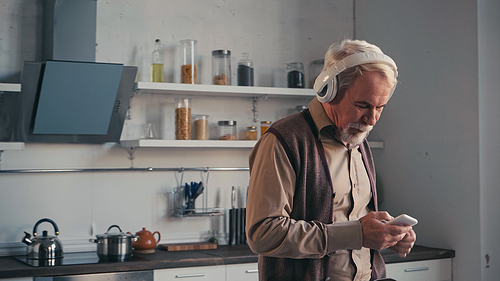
(146, 241)
(44, 247)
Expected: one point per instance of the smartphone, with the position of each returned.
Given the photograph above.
(403, 220)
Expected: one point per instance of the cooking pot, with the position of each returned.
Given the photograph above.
(114, 246)
(45, 247)
(147, 241)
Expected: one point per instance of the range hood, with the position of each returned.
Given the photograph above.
(72, 102)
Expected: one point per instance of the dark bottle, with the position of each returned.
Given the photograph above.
(245, 71)
(295, 75)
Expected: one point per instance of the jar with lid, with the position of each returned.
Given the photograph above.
(200, 127)
(227, 130)
(315, 69)
(221, 67)
(183, 119)
(251, 133)
(188, 67)
(295, 75)
(264, 125)
(245, 71)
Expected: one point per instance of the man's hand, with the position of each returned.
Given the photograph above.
(378, 235)
(403, 247)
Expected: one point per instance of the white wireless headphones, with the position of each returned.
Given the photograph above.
(326, 87)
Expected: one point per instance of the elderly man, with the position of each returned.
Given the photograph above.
(312, 204)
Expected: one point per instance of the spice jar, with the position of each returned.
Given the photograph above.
(251, 133)
(188, 67)
(227, 130)
(183, 119)
(200, 125)
(264, 125)
(221, 67)
(315, 69)
(295, 75)
(245, 71)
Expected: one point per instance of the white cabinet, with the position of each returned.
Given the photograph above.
(242, 272)
(201, 273)
(429, 270)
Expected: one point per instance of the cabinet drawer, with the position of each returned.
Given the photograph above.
(242, 272)
(431, 270)
(202, 273)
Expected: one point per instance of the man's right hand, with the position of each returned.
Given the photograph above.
(378, 235)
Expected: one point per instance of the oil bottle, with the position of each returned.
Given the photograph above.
(157, 64)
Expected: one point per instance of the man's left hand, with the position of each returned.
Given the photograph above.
(404, 246)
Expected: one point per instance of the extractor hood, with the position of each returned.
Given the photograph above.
(72, 102)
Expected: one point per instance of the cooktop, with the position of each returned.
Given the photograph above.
(72, 259)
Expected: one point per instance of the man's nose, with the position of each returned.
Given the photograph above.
(371, 117)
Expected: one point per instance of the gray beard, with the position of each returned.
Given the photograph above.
(355, 139)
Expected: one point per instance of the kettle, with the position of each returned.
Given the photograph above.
(147, 241)
(43, 247)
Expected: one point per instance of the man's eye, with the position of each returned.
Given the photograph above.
(362, 106)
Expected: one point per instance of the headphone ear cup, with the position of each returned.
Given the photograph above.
(329, 90)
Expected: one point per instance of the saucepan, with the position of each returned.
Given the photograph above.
(116, 246)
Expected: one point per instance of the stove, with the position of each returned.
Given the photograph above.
(72, 259)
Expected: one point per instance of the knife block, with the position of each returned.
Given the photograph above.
(237, 218)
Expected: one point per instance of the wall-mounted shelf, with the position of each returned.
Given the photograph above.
(204, 143)
(188, 143)
(10, 87)
(220, 91)
(11, 146)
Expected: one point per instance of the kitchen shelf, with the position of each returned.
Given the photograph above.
(188, 143)
(204, 143)
(10, 87)
(11, 146)
(220, 91)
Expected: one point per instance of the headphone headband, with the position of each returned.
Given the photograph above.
(325, 85)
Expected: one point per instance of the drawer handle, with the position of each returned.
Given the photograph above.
(252, 271)
(190, 275)
(416, 269)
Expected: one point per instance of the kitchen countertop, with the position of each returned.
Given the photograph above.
(13, 268)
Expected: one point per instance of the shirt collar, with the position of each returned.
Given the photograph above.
(322, 121)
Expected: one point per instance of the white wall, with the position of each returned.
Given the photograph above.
(429, 167)
(489, 138)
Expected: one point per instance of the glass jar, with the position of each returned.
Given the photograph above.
(299, 108)
(251, 133)
(188, 67)
(227, 130)
(157, 63)
(221, 67)
(245, 71)
(200, 127)
(315, 69)
(183, 119)
(264, 125)
(295, 75)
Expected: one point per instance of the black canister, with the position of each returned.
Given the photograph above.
(295, 75)
(245, 71)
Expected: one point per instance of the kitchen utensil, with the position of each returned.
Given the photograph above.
(114, 246)
(232, 218)
(45, 247)
(147, 241)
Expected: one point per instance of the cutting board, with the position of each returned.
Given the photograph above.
(187, 246)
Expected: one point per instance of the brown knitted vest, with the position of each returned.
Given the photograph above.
(313, 197)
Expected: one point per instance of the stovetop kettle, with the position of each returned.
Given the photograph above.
(43, 247)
